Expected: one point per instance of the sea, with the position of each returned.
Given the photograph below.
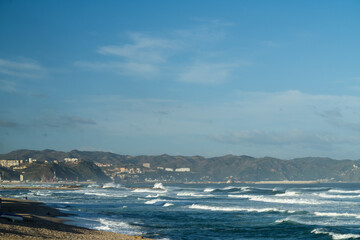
(211, 211)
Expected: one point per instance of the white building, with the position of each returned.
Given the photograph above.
(71, 160)
(182, 170)
(146, 165)
(9, 163)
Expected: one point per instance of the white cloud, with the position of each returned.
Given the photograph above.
(144, 57)
(143, 49)
(124, 68)
(208, 73)
(25, 68)
(185, 55)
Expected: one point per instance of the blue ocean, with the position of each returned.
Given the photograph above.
(211, 211)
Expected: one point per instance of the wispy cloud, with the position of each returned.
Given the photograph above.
(142, 49)
(342, 118)
(13, 87)
(48, 121)
(71, 120)
(144, 70)
(8, 86)
(9, 124)
(23, 68)
(184, 55)
(66, 121)
(143, 57)
(208, 73)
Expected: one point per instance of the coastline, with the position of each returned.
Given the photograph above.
(43, 222)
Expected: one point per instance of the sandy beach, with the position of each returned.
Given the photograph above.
(43, 222)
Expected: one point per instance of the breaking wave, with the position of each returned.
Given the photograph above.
(279, 200)
(334, 214)
(335, 236)
(234, 209)
(117, 226)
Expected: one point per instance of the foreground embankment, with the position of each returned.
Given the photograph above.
(43, 222)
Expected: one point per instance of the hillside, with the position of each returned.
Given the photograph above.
(217, 168)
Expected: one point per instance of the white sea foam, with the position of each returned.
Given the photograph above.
(334, 214)
(288, 194)
(209, 189)
(336, 236)
(193, 194)
(102, 194)
(111, 185)
(117, 226)
(287, 200)
(168, 204)
(277, 189)
(148, 190)
(155, 201)
(41, 193)
(282, 220)
(152, 196)
(279, 200)
(159, 186)
(311, 221)
(325, 195)
(343, 191)
(234, 209)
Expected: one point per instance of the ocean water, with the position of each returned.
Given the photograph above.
(211, 211)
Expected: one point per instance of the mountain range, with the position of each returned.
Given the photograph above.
(243, 167)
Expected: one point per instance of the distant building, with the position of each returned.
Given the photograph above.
(146, 165)
(161, 168)
(9, 163)
(102, 164)
(72, 160)
(20, 167)
(32, 160)
(182, 170)
(169, 169)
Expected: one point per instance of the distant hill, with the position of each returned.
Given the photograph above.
(81, 171)
(47, 167)
(217, 168)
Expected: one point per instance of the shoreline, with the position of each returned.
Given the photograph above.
(43, 222)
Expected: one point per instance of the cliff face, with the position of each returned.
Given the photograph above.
(218, 168)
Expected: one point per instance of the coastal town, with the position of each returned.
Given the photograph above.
(50, 171)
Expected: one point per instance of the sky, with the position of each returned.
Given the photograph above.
(200, 77)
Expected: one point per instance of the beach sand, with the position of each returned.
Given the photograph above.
(43, 222)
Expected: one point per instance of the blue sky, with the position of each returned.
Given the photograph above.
(260, 78)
